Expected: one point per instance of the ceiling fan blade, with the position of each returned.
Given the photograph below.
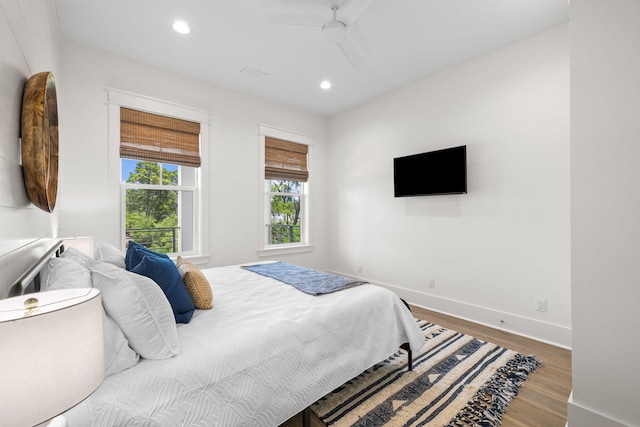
(354, 9)
(352, 55)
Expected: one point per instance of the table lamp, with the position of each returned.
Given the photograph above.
(52, 353)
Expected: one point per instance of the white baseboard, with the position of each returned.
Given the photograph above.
(549, 333)
(581, 416)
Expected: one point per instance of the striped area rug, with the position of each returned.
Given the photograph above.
(457, 380)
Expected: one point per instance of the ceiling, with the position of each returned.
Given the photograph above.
(280, 45)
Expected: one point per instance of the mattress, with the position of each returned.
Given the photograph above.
(261, 355)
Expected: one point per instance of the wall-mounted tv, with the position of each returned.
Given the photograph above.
(431, 173)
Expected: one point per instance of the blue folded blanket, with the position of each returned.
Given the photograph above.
(304, 279)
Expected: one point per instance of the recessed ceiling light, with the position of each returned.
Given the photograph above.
(326, 84)
(181, 27)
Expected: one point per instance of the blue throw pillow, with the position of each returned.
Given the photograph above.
(135, 253)
(165, 273)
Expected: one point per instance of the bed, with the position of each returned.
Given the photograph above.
(264, 353)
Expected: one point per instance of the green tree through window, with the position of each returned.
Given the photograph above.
(151, 214)
(285, 212)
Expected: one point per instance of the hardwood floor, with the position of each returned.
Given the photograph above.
(541, 402)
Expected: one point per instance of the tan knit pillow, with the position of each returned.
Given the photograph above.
(197, 285)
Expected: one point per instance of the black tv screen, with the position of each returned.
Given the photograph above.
(431, 173)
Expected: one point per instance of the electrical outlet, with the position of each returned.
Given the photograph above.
(541, 304)
(431, 282)
(359, 268)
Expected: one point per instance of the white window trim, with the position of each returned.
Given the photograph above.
(265, 250)
(118, 98)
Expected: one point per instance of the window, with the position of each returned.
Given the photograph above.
(286, 191)
(159, 205)
(285, 200)
(169, 161)
(159, 161)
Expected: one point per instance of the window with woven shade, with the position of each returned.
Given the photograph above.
(160, 160)
(286, 175)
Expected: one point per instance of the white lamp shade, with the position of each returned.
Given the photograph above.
(51, 359)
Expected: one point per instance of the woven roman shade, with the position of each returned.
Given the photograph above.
(150, 137)
(285, 160)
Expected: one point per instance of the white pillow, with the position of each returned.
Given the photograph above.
(118, 356)
(77, 256)
(140, 308)
(64, 273)
(108, 253)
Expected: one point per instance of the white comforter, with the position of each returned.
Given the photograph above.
(261, 355)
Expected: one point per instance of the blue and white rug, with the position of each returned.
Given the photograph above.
(457, 380)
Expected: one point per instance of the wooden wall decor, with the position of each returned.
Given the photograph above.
(39, 133)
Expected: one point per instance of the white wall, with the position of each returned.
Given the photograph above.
(605, 212)
(29, 44)
(510, 232)
(491, 251)
(90, 204)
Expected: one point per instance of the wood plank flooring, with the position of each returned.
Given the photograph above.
(541, 402)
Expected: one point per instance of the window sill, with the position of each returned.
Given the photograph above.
(283, 250)
(198, 260)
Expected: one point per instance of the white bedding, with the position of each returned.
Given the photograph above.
(261, 355)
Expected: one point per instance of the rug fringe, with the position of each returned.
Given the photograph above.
(489, 404)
